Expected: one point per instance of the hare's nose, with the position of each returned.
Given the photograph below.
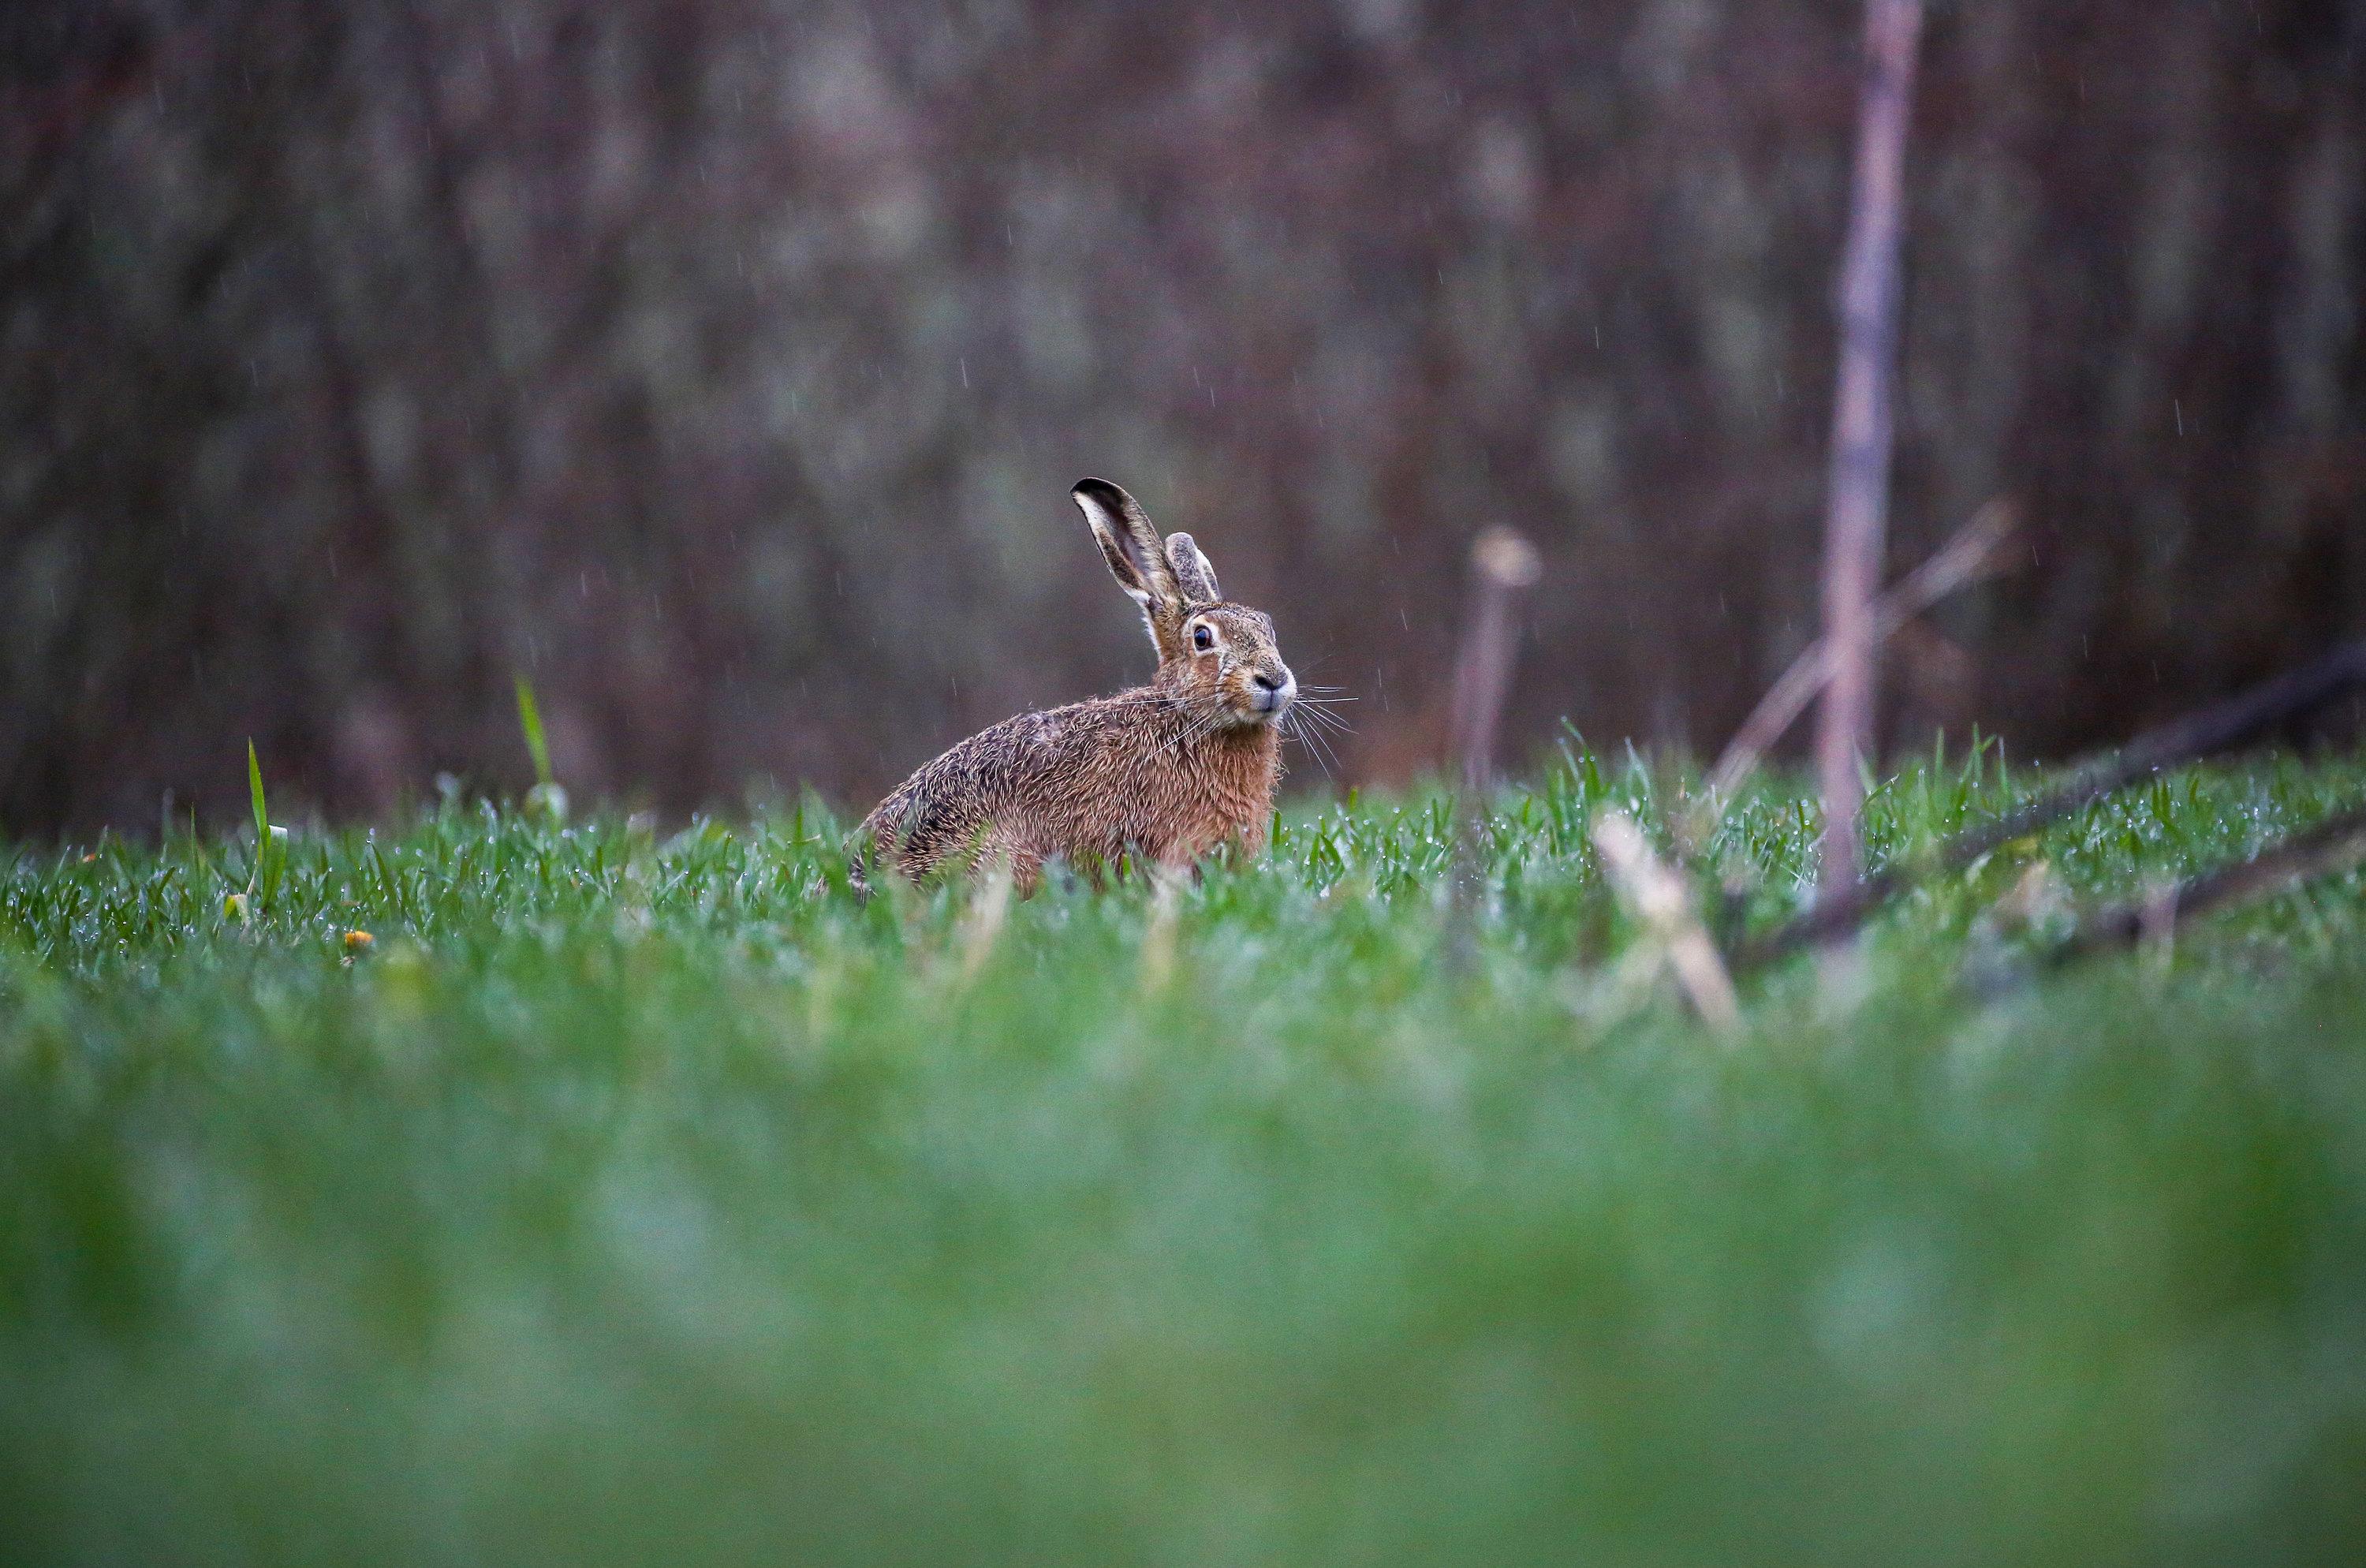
(1269, 682)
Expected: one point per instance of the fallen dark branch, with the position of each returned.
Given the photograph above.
(2333, 845)
(2197, 735)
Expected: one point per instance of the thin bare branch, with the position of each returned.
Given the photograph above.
(1863, 416)
(1979, 550)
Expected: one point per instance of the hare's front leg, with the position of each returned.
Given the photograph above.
(1254, 835)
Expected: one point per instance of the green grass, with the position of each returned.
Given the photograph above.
(641, 1199)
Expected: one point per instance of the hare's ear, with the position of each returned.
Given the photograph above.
(1193, 572)
(1135, 559)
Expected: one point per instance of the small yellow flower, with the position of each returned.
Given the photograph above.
(358, 941)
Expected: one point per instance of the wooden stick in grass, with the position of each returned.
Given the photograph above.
(1503, 566)
(1863, 415)
(2333, 845)
(1977, 551)
(2197, 735)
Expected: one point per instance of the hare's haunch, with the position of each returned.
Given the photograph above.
(1165, 773)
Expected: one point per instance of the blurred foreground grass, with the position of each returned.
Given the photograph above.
(634, 1201)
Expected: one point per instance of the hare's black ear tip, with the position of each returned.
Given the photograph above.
(1092, 488)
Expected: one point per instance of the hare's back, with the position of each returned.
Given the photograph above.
(1032, 772)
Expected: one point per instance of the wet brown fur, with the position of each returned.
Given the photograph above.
(1165, 773)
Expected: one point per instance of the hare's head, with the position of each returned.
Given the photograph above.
(1212, 653)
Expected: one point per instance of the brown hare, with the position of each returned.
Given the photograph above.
(1165, 773)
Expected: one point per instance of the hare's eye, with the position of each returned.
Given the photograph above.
(1202, 638)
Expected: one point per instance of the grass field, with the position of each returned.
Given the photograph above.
(639, 1198)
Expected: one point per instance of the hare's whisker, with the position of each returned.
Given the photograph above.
(1198, 729)
(1328, 721)
(1327, 746)
(1316, 747)
(1323, 745)
(1305, 723)
(1306, 738)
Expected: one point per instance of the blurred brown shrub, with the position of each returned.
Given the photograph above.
(722, 366)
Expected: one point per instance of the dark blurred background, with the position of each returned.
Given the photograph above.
(722, 366)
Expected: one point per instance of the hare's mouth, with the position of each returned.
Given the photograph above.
(1268, 697)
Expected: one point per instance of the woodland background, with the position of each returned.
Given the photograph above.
(721, 366)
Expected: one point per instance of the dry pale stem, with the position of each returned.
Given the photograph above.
(1659, 897)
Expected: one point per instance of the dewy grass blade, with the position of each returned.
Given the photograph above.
(548, 799)
(255, 792)
(270, 847)
(530, 721)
